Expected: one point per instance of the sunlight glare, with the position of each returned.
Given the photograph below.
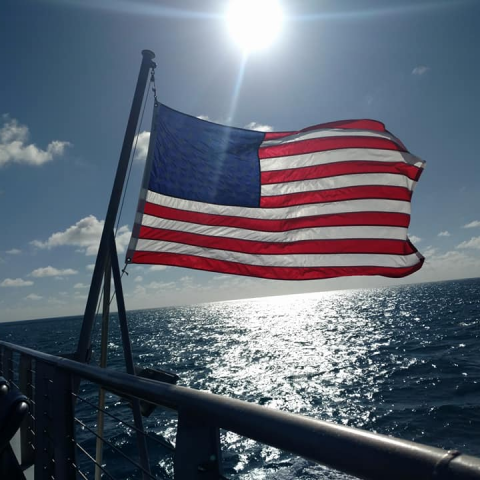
(254, 24)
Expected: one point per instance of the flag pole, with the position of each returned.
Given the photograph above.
(84, 342)
(103, 364)
(128, 356)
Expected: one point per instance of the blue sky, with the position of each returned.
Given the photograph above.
(67, 78)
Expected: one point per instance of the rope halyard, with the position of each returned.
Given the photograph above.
(154, 90)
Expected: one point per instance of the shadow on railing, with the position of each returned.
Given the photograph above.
(49, 439)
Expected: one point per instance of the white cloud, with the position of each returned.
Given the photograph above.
(16, 282)
(13, 251)
(420, 70)
(151, 290)
(369, 98)
(85, 235)
(52, 272)
(474, 224)
(33, 297)
(429, 251)
(414, 239)
(15, 149)
(259, 127)
(160, 285)
(474, 242)
(141, 151)
(446, 233)
(138, 278)
(449, 265)
(90, 267)
(79, 286)
(157, 268)
(56, 301)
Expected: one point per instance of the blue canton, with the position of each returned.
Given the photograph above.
(205, 162)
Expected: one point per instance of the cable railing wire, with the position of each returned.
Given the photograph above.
(113, 447)
(162, 442)
(94, 461)
(75, 466)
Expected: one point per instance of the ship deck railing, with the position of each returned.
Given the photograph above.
(48, 437)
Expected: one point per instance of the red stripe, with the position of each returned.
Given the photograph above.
(364, 124)
(278, 273)
(394, 219)
(337, 195)
(343, 124)
(275, 135)
(362, 245)
(329, 143)
(336, 169)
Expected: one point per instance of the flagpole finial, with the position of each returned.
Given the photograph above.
(148, 54)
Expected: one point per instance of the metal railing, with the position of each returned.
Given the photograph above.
(48, 437)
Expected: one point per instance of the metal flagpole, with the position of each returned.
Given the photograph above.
(84, 342)
(127, 351)
(103, 364)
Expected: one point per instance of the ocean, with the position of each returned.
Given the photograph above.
(402, 361)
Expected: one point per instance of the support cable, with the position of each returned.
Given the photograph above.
(153, 85)
(154, 90)
(132, 156)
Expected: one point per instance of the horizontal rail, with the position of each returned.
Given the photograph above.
(354, 451)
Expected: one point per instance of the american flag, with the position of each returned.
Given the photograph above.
(327, 201)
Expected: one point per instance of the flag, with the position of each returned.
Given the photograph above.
(327, 201)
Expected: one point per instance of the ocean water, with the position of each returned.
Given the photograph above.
(402, 361)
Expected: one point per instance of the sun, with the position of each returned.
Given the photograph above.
(254, 24)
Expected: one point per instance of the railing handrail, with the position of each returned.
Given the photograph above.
(354, 451)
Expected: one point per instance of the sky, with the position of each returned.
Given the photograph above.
(67, 75)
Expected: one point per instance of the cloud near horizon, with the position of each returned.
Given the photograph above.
(15, 149)
(33, 296)
(16, 282)
(414, 239)
(52, 272)
(85, 235)
(474, 242)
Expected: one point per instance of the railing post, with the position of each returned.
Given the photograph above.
(197, 451)
(43, 415)
(63, 425)
(25, 382)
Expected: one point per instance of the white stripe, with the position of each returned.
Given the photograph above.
(283, 213)
(342, 181)
(314, 233)
(326, 133)
(336, 156)
(311, 261)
